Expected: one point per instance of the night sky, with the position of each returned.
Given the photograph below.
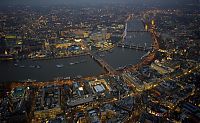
(78, 2)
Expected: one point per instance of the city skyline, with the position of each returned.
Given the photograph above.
(108, 61)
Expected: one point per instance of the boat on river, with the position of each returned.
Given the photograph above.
(59, 65)
(77, 62)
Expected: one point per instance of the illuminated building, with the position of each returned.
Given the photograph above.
(108, 35)
(152, 22)
(86, 34)
(134, 80)
(146, 27)
(100, 36)
(161, 69)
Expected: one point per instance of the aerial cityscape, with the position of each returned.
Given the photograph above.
(100, 61)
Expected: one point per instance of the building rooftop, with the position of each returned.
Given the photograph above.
(99, 88)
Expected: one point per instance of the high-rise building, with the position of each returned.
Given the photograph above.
(152, 22)
(146, 27)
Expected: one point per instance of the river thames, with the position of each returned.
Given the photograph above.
(46, 70)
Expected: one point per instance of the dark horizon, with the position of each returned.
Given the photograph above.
(98, 2)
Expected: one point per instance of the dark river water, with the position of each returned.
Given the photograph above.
(121, 57)
(49, 70)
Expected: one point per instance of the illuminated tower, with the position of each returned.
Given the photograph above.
(152, 22)
(6, 53)
(146, 27)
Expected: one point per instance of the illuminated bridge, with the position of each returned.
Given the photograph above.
(104, 64)
(132, 46)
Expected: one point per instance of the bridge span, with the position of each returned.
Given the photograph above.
(104, 64)
(132, 46)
